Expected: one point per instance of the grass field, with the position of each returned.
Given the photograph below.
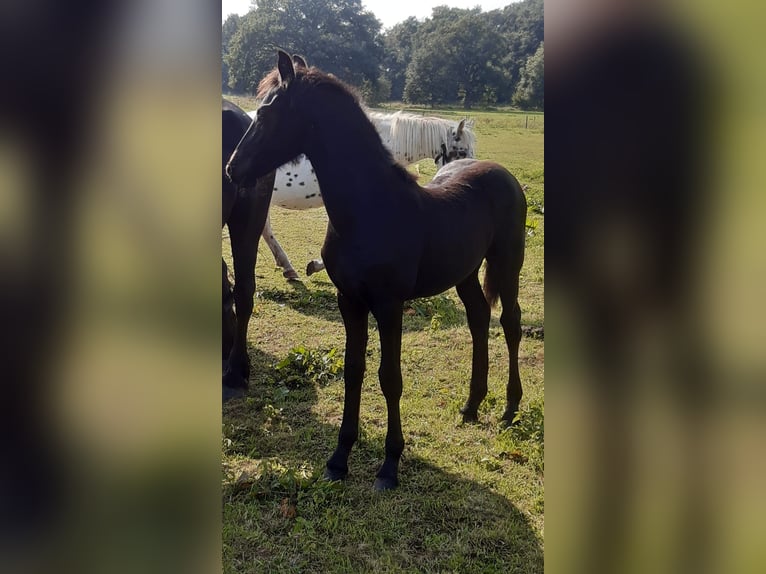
(470, 496)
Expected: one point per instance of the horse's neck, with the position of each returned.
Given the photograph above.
(351, 167)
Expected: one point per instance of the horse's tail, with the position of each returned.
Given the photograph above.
(491, 283)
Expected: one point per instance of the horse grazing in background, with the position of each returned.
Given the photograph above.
(389, 240)
(244, 211)
(409, 137)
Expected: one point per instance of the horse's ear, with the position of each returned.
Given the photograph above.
(285, 67)
(299, 61)
(460, 127)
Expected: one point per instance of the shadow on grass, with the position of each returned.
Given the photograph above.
(319, 299)
(435, 313)
(315, 301)
(280, 517)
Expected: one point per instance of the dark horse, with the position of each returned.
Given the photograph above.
(390, 240)
(244, 211)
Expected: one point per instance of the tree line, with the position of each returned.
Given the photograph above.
(457, 56)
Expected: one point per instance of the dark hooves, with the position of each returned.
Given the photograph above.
(230, 393)
(508, 418)
(291, 275)
(385, 483)
(333, 475)
(469, 415)
(234, 380)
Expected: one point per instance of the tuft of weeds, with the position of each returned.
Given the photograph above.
(524, 440)
(440, 310)
(304, 366)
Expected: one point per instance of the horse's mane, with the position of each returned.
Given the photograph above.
(308, 77)
(419, 136)
(413, 135)
(313, 77)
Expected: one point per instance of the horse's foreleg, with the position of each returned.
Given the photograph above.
(355, 320)
(229, 324)
(280, 257)
(245, 226)
(244, 255)
(478, 315)
(389, 318)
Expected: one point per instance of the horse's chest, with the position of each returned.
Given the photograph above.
(296, 186)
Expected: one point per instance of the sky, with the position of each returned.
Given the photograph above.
(389, 12)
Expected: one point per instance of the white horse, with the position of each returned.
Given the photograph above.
(409, 137)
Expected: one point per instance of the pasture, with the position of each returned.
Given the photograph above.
(471, 495)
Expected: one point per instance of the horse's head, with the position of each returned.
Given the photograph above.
(276, 135)
(461, 142)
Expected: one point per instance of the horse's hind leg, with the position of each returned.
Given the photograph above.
(478, 313)
(280, 257)
(506, 278)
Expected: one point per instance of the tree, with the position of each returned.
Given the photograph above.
(530, 92)
(521, 26)
(340, 37)
(228, 30)
(455, 59)
(398, 42)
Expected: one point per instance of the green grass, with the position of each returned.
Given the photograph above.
(470, 496)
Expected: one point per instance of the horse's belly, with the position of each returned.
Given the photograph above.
(450, 255)
(296, 186)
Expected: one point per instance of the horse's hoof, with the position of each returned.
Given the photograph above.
(469, 415)
(385, 483)
(291, 275)
(230, 393)
(234, 380)
(333, 475)
(313, 267)
(508, 418)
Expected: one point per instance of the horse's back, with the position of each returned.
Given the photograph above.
(473, 180)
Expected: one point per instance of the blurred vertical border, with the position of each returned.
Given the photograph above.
(109, 258)
(656, 274)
